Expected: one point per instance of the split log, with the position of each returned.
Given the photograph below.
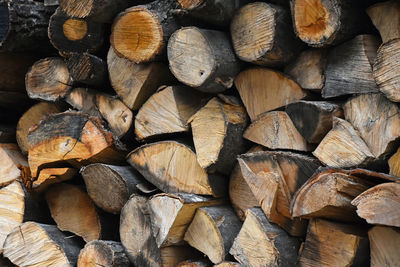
(386, 18)
(379, 204)
(262, 34)
(275, 130)
(228, 264)
(171, 215)
(87, 69)
(110, 186)
(48, 177)
(384, 244)
(217, 134)
(313, 119)
(343, 147)
(71, 137)
(334, 244)
(308, 69)
(319, 23)
(385, 69)
(135, 83)
(394, 163)
(69, 34)
(149, 27)
(349, 68)
(274, 246)
(31, 117)
(195, 263)
(167, 111)
(35, 244)
(377, 120)
(173, 167)
(11, 160)
(24, 25)
(203, 59)
(7, 133)
(213, 231)
(103, 253)
(48, 79)
(264, 90)
(172, 256)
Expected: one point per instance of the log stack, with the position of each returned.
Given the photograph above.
(199, 133)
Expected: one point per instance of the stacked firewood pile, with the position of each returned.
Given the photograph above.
(199, 133)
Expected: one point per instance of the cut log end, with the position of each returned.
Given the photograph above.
(75, 29)
(103, 253)
(77, 8)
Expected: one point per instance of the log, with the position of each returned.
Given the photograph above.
(334, 244)
(343, 147)
(24, 26)
(203, 59)
(384, 244)
(47, 177)
(386, 18)
(264, 90)
(171, 215)
(51, 2)
(262, 34)
(69, 34)
(228, 264)
(195, 263)
(213, 231)
(135, 83)
(31, 117)
(274, 246)
(48, 79)
(103, 253)
(149, 27)
(394, 164)
(308, 69)
(11, 159)
(319, 23)
(167, 111)
(378, 204)
(313, 119)
(35, 244)
(172, 167)
(110, 186)
(217, 134)
(349, 67)
(275, 130)
(172, 256)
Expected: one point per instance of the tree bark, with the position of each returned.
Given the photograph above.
(103, 253)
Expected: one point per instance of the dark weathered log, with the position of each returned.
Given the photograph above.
(262, 33)
(386, 18)
(11, 160)
(384, 243)
(51, 2)
(264, 90)
(203, 59)
(7, 133)
(103, 253)
(274, 246)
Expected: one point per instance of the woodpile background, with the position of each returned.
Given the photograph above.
(199, 133)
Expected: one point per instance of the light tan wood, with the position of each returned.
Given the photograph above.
(103, 253)
(394, 163)
(384, 244)
(75, 29)
(11, 159)
(386, 18)
(50, 176)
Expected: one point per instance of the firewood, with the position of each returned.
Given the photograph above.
(31, 117)
(71, 137)
(195, 263)
(11, 159)
(172, 256)
(87, 69)
(313, 119)
(135, 83)
(377, 120)
(264, 90)
(171, 215)
(24, 26)
(69, 34)
(385, 69)
(110, 186)
(384, 244)
(319, 23)
(262, 34)
(35, 244)
(85, 100)
(334, 191)
(334, 244)
(213, 231)
(228, 264)
(349, 68)
(51, 2)
(103, 253)
(167, 111)
(379, 204)
(149, 28)
(172, 167)
(49, 176)
(386, 18)
(308, 69)
(274, 246)
(394, 163)
(203, 59)
(343, 147)
(7, 133)
(275, 130)
(217, 134)
(48, 79)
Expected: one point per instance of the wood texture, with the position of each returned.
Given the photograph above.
(103, 253)
(11, 159)
(87, 69)
(384, 242)
(386, 18)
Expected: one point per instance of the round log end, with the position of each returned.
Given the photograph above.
(77, 8)
(75, 29)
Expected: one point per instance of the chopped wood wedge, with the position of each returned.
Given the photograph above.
(386, 18)
(48, 177)
(103, 253)
(384, 245)
(11, 161)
